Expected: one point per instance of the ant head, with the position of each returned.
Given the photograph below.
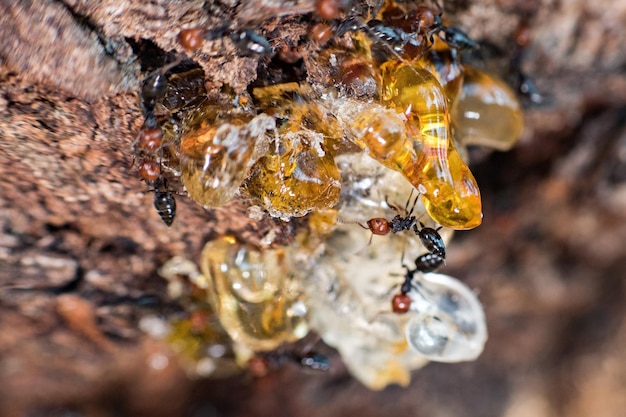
(378, 226)
(400, 303)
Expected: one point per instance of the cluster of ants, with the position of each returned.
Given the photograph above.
(396, 32)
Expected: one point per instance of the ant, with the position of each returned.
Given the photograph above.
(263, 363)
(405, 32)
(430, 238)
(401, 302)
(147, 144)
(524, 83)
(150, 141)
(247, 41)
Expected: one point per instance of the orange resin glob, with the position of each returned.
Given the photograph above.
(443, 62)
(382, 134)
(487, 112)
(295, 178)
(451, 195)
(217, 151)
(298, 174)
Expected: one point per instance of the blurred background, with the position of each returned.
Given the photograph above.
(80, 244)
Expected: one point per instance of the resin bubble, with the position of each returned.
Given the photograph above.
(487, 113)
(448, 322)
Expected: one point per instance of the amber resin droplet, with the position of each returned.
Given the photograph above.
(383, 134)
(254, 293)
(487, 112)
(449, 190)
(295, 179)
(298, 174)
(217, 152)
(444, 64)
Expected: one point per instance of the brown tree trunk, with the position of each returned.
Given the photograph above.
(80, 242)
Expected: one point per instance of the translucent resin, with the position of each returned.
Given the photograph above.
(217, 151)
(443, 63)
(254, 294)
(298, 174)
(449, 322)
(487, 112)
(349, 289)
(450, 192)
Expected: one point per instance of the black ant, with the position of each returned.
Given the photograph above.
(406, 32)
(147, 144)
(524, 84)
(150, 141)
(263, 363)
(401, 303)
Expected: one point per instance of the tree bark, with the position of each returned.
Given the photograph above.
(80, 242)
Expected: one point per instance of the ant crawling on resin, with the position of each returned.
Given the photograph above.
(430, 238)
(401, 302)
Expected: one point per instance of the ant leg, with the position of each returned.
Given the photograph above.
(408, 200)
(391, 206)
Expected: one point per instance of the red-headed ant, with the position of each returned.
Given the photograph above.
(401, 303)
(430, 238)
(247, 41)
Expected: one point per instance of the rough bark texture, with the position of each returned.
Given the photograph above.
(80, 242)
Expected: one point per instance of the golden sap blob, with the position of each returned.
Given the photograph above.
(254, 293)
(451, 195)
(487, 112)
(217, 151)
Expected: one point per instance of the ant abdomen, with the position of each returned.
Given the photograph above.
(164, 202)
(431, 239)
(428, 262)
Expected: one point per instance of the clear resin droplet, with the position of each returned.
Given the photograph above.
(253, 293)
(218, 151)
(487, 113)
(448, 323)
